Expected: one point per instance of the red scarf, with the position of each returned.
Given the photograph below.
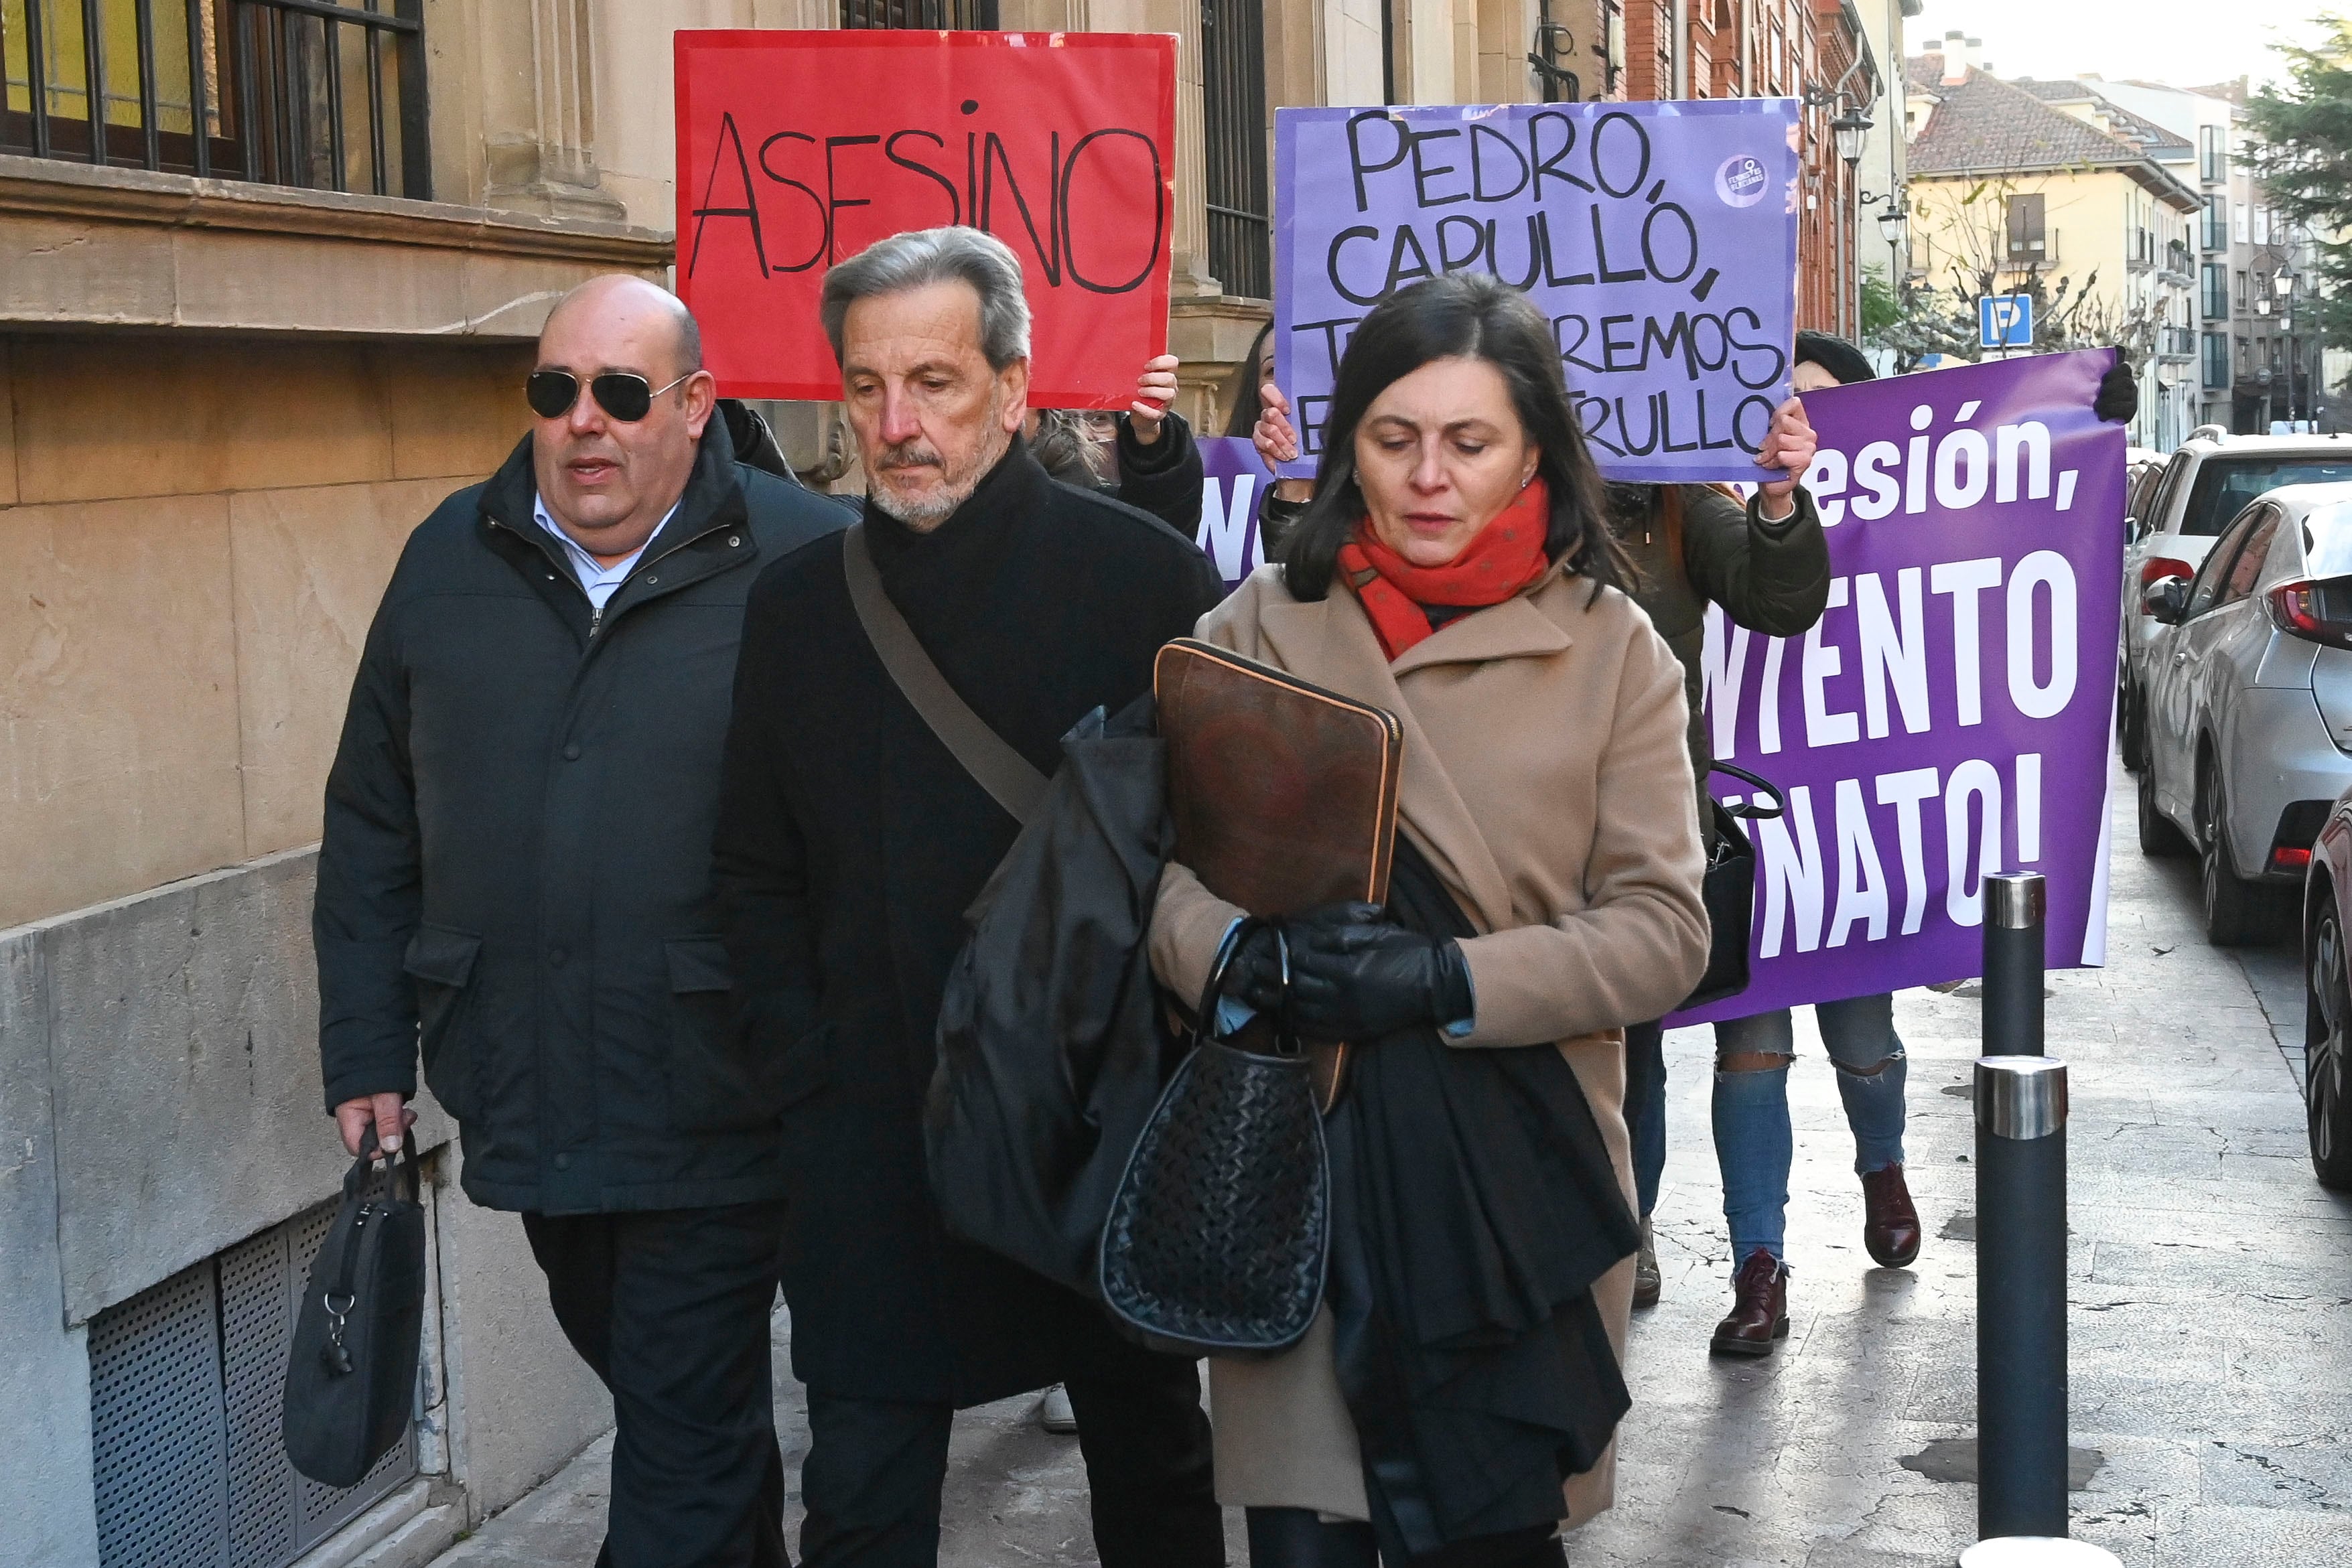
(1502, 560)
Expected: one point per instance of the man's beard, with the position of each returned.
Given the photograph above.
(928, 513)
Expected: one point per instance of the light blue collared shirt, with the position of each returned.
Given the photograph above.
(597, 580)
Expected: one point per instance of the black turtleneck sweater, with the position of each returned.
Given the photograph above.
(850, 842)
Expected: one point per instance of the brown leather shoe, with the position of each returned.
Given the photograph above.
(1648, 1283)
(1760, 1308)
(1890, 1226)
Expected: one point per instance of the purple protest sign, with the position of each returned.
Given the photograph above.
(1661, 239)
(1950, 715)
(1233, 493)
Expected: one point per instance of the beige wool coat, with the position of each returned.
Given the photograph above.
(1547, 779)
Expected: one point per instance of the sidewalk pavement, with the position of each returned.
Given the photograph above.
(2210, 1275)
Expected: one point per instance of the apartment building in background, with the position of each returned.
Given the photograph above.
(2050, 188)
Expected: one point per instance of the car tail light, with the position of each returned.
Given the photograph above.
(2162, 567)
(2286, 858)
(2314, 612)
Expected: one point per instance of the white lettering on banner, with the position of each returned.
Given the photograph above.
(1904, 791)
(1225, 527)
(1963, 471)
(1821, 665)
(1975, 777)
(1862, 881)
(1724, 671)
(1768, 699)
(1792, 872)
(2042, 568)
(1852, 886)
(1885, 654)
(1964, 580)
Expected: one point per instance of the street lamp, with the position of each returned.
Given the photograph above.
(1892, 222)
(1847, 131)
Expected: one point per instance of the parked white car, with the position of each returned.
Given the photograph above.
(2177, 513)
(2249, 705)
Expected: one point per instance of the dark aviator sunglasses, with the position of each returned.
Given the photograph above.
(626, 396)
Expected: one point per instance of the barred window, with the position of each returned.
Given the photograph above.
(325, 95)
(1232, 57)
(929, 15)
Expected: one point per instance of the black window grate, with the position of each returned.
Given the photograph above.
(186, 1383)
(959, 15)
(325, 95)
(1232, 62)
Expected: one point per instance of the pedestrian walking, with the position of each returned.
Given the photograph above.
(1455, 568)
(1755, 1142)
(515, 879)
(852, 840)
(1765, 564)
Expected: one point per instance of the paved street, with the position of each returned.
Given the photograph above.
(2212, 1349)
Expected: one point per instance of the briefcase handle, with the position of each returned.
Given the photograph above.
(399, 1168)
(1753, 808)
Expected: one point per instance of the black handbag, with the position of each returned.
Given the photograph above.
(1220, 1229)
(351, 1381)
(1729, 890)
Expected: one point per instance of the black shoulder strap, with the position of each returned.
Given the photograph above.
(995, 766)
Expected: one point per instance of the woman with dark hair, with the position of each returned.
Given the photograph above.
(1455, 568)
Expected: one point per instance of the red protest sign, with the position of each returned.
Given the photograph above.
(797, 149)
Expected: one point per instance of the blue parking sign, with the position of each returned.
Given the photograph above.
(2005, 321)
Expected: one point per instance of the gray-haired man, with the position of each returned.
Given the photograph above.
(850, 842)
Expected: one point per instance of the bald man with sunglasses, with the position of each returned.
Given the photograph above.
(515, 884)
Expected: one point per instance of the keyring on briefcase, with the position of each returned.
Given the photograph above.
(1729, 889)
(1220, 1229)
(350, 1380)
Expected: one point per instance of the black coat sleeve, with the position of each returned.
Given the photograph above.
(1772, 578)
(760, 862)
(1163, 479)
(371, 881)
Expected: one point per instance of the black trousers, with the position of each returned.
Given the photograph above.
(1298, 1537)
(875, 1468)
(670, 1309)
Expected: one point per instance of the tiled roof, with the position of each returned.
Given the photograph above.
(1985, 124)
(2153, 137)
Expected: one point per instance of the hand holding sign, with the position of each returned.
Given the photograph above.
(1275, 438)
(1154, 390)
(1789, 447)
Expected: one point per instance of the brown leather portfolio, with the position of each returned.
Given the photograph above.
(1285, 794)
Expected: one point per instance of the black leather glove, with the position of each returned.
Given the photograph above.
(1356, 976)
(1256, 976)
(2119, 399)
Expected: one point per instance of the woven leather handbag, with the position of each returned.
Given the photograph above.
(1220, 1229)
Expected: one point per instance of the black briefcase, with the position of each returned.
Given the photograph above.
(350, 1382)
(1729, 890)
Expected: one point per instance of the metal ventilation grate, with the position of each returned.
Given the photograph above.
(186, 1382)
(154, 1389)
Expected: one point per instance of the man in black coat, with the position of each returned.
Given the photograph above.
(516, 877)
(850, 842)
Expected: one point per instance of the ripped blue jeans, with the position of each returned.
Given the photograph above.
(1754, 1144)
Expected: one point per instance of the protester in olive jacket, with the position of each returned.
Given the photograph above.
(516, 878)
(1698, 548)
(850, 842)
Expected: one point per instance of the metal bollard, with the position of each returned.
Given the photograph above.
(2021, 1159)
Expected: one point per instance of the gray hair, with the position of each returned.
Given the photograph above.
(925, 256)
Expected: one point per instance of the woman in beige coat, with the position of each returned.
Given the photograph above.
(1454, 570)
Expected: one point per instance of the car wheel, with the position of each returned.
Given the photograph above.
(2159, 838)
(2134, 743)
(2327, 1004)
(2235, 909)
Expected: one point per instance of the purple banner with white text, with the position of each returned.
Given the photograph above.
(1950, 715)
(1659, 238)
(1233, 495)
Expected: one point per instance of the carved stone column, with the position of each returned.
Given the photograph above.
(539, 135)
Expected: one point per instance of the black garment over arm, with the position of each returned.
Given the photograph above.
(1769, 577)
(1163, 479)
